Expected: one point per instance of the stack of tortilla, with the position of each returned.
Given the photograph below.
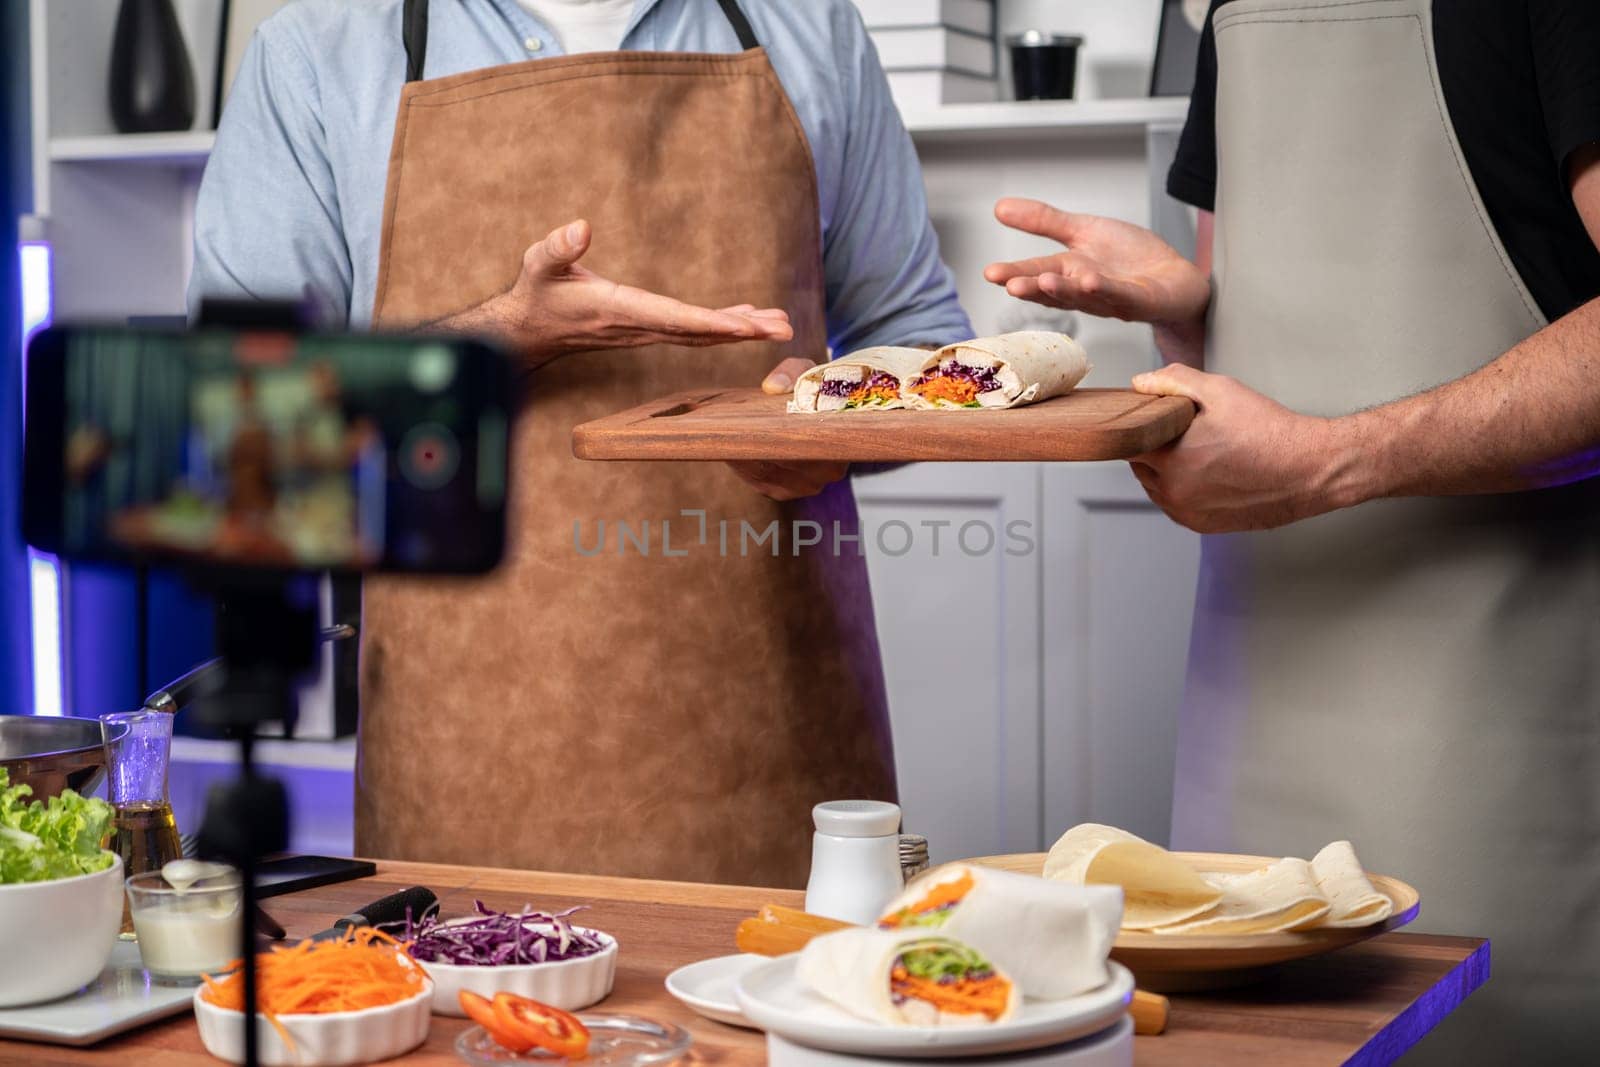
(1164, 895)
(1015, 368)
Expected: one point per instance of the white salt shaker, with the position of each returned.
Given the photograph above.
(855, 860)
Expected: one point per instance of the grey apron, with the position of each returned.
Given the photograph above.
(1416, 675)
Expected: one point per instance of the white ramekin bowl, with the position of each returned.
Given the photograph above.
(57, 936)
(566, 984)
(332, 1039)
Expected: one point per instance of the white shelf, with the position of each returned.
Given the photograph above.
(337, 755)
(1011, 119)
(952, 122)
(190, 149)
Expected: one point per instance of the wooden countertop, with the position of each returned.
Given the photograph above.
(1364, 1004)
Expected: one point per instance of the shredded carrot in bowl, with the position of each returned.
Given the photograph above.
(365, 970)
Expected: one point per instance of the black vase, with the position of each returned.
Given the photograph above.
(152, 83)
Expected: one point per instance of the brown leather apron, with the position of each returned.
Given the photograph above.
(673, 713)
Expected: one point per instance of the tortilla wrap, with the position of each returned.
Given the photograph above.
(1283, 896)
(900, 363)
(1052, 938)
(1030, 366)
(1353, 899)
(852, 968)
(1159, 889)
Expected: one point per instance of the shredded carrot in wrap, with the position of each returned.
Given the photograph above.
(955, 390)
(866, 394)
(966, 996)
(940, 895)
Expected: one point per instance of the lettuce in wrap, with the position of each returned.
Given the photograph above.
(1051, 937)
(908, 978)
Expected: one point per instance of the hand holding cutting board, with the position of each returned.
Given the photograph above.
(792, 480)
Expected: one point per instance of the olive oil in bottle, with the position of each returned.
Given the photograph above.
(146, 838)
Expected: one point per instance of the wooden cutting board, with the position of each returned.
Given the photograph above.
(1087, 424)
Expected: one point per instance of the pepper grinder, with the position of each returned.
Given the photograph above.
(855, 860)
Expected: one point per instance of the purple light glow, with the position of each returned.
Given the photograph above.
(44, 571)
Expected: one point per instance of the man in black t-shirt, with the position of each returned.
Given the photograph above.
(1521, 79)
(1398, 615)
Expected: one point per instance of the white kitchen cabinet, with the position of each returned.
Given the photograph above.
(1119, 581)
(1028, 690)
(959, 633)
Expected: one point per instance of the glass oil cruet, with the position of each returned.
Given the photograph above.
(146, 831)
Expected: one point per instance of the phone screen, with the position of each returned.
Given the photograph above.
(267, 450)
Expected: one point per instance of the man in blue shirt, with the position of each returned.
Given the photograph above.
(292, 198)
(609, 217)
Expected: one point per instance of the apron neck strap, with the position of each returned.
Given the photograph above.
(740, 24)
(414, 32)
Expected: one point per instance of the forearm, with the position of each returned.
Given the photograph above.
(496, 319)
(1185, 342)
(1528, 420)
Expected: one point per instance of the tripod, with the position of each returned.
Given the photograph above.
(266, 637)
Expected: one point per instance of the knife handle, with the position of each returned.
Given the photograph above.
(392, 909)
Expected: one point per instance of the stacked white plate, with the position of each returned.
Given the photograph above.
(1089, 1030)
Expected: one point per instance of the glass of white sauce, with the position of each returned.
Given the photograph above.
(186, 917)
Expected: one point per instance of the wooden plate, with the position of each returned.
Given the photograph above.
(747, 424)
(1165, 963)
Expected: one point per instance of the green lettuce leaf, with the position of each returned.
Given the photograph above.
(923, 919)
(938, 959)
(57, 838)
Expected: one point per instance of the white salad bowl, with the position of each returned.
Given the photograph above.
(330, 1039)
(57, 936)
(566, 984)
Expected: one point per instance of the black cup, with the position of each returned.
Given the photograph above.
(1044, 66)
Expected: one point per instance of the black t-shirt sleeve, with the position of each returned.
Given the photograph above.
(1565, 35)
(1193, 177)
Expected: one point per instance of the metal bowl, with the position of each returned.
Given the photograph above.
(52, 754)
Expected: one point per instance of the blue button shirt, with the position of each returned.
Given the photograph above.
(292, 199)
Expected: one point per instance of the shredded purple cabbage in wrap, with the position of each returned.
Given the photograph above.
(983, 377)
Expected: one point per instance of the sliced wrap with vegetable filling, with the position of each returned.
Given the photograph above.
(907, 978)
(1052, 937)
(998, 372)
(869, 379)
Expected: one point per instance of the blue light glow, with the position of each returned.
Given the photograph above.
(44, 571)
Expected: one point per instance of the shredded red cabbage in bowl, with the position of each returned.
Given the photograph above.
(497, 938)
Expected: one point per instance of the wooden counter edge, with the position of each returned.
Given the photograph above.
(1405, 1030)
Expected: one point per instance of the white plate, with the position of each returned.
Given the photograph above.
(774, 998)
(124, 996)
(708, 986)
